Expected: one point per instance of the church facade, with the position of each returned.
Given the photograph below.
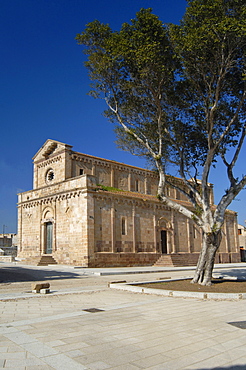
(92, 212)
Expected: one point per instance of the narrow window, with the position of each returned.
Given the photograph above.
(239, 231)
(81, 171)
(136, 185)
(194, 232)
(123, 226)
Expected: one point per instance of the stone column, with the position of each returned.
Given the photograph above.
(129, 181)
(236, 235)
(42, 236)
(88, 225)
(188, 235)
(40, 227)
(226, 237)
(134, 228)
(168, 242)
(35, 176)
(112, 178)
(20, 224)
(54, 226)
(155, 230)
(112, 227)
(173, 240)
(146, 185)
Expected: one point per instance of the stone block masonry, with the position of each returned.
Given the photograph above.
(92, 212)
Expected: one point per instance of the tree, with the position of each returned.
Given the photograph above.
(178, 95)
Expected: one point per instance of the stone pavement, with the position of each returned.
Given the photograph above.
(124, 331)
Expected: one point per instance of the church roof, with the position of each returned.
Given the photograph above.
(49, 147)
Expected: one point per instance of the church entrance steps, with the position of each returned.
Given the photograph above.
(176, 260)
(43, 260)
(46, 260)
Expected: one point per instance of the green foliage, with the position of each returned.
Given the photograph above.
(211, 45)
(107, 188)
(215, 228)
(163, 79)
(176, 93)
(198, 210)
(194, 218)
(133, 69)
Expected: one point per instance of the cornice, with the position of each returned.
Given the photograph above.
(86, 158)
(49, 161)
(130, 199)
(51, 198)
(51, 156)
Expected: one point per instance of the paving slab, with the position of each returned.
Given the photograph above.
(124, 330)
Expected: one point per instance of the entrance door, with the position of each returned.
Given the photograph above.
(164, 241)
(49, 237)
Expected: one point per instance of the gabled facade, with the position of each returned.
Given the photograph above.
(77, 214)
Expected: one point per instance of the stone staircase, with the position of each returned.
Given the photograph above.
(47, 259)
(176, 260)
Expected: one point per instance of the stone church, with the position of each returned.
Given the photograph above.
(92, 212)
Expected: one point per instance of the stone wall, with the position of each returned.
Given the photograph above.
(89, 226)
(66, 208)
(122, 259)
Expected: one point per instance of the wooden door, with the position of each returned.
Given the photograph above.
(164, 241)
(49, 237)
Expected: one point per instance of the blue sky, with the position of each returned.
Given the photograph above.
(44, 88)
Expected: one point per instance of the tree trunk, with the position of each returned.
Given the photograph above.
(210, 244)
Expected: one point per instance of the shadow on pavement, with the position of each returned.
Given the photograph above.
(239, 273)
(11, 274)
(232, 367)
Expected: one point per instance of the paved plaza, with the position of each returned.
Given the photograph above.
(83, 324)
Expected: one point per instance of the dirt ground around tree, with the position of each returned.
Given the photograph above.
(218, 286)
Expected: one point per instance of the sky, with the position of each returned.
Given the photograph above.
(44, 87)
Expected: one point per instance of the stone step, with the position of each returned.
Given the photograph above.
(176, 260)
(46, 260)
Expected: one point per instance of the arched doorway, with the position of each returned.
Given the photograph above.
(48, 231)
(165, 235)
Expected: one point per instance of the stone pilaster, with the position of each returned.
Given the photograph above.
(173, 239)
(113, 244)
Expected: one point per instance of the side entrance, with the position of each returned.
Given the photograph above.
(163, 241)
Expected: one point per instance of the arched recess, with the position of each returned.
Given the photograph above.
(48, 230)
(164, 235)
